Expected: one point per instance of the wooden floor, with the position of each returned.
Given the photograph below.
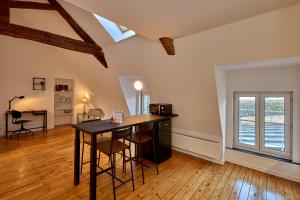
(41, 167)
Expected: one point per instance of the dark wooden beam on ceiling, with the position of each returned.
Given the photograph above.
(76, 27)
(23, 32)
(168, 45)
(4, 11)
(31, 5)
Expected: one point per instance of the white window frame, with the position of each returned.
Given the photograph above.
(259, 123)
(287, 122)
(236, 120)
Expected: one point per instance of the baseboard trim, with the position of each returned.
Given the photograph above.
(198, 155)
(289, 173)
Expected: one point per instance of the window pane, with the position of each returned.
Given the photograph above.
(146, 102)
(247, 125)
(274, 129)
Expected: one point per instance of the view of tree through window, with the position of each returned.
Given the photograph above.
(262, 122)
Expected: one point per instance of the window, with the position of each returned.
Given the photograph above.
(117, 32)
(146, 102)
(262, 122)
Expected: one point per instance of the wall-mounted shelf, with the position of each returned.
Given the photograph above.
(63, 100)
(39, 83)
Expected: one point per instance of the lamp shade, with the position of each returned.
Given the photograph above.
(138, 85)
(84, 100)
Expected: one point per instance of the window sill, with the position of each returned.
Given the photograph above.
(263, 155)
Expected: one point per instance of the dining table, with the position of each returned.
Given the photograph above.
(93, 128)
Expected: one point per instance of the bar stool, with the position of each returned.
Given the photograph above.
(139, 138)
(86, 140)
(111, 147)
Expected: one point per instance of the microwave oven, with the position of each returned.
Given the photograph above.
(161, 109)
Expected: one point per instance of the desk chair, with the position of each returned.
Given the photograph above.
(111, 147)
(16, 119)
(93, 114)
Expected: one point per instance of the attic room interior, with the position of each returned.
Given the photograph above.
(170, 99)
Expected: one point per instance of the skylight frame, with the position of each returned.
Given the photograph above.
(115, 30)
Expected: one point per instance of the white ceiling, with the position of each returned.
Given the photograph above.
(175, 18)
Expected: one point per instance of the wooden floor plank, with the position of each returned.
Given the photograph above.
(288, 191)
(190, 187)
(41, 168)
(238, 184)
(262, 189)
(222, 183)
(279, 182)
(254, 188)
(229, 186)
(271, 190)
(244, 193)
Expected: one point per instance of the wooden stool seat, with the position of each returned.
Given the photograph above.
(111, 146)
(140, 137)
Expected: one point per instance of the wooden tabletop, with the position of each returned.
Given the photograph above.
(102, 126)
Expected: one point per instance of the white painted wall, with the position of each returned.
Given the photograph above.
(278, 79)
(21, 60)
(187, 80)
(132, 96)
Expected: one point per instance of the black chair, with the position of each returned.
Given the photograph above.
(16, 119)
(143, 136)
(111, 147)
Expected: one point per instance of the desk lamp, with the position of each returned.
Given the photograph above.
(84, 101)
(10, 101)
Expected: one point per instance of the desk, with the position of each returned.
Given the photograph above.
(33, 112)
(97, 127)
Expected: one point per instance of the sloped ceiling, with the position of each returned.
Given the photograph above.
(176, 18)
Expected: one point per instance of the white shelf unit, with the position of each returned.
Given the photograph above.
(64, 102)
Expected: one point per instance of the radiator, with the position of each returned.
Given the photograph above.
(204, 147)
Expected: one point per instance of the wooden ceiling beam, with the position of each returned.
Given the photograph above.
(71, 21)
(4, 11)
(76, 27)
(31, 5)
(18, 31)
(168, 44)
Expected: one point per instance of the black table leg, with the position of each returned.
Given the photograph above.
(77, 157)
(93, 167)
(46, 121)
(6, 125)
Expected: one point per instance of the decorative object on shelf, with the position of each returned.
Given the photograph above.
(138, 85)
(68, 111)
(39, 83)
(84, 101)
(10, 101)
(117, 117)
(59, 87)
(68, 100)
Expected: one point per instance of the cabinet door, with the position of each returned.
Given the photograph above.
(165, 134)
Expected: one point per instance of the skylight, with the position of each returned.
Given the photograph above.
(117, 32)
